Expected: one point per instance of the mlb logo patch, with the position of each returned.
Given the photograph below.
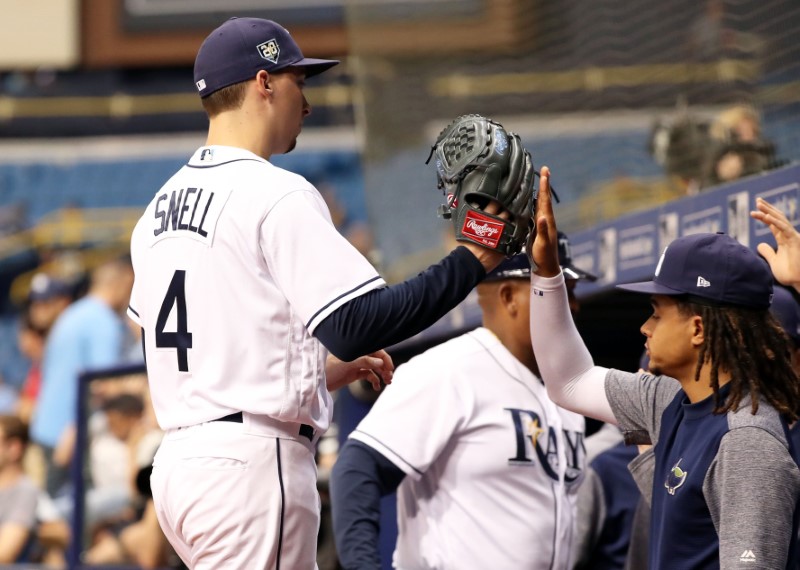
(201, 84)
(269, 50)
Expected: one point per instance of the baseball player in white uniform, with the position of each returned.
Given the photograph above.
(242, 286)
(487, 466)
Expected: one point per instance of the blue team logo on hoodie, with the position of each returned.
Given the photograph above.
(675, 478)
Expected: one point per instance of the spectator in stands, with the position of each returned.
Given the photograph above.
(90, 334)
(18, 493)
(140, 540)
(30, 340)
(113, 452)
(48, 297)
(784, 260)
(738, 147)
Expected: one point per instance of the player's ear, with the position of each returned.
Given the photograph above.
(507, 297)
(698, 331)
(264, 80)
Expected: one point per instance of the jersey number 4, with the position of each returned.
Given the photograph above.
(181, 339)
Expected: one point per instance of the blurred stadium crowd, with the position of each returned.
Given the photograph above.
(68, 200)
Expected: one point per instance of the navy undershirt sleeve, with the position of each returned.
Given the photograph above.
(385, 316)
(360, 477)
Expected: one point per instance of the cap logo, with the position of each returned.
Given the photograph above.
(660, 261)
(201, 84)
(269, 50)
(701, 282)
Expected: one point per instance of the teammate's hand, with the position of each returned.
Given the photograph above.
(785, 261)
(542, 244)
(377, 368)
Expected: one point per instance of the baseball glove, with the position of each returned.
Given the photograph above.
(479, 162)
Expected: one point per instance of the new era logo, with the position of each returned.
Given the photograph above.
(701, 282)
(747, 556)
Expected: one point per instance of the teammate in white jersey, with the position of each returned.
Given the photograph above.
(242, 286)
(487, 466)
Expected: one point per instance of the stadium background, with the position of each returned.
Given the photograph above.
(98, 108)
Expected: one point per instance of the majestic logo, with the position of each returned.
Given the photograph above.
(702, 282)
(201, 84)
(269, 50)
(482, 229)
(747, 556)
(675, 478)
(660, 261)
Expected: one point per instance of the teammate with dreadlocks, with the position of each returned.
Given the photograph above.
(716, 403)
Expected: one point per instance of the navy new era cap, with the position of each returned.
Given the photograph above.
(518, 266)
(241, 47)
(711, 268)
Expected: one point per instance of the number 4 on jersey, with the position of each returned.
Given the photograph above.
(181, 339)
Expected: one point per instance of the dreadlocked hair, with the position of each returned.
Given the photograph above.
(752, 346)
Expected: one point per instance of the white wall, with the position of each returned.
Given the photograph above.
(36, 33)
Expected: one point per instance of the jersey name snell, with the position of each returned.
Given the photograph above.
(172, 211)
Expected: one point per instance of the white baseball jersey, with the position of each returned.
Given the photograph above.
(492, 465)
(236, 262)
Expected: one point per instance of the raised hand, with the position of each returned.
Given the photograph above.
(785, 260)
(542, 244)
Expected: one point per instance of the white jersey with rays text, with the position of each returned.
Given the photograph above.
(492, 465)
(236, 262)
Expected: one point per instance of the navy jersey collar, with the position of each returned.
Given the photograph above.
(703, 407)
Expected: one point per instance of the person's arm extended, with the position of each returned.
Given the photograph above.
(567, 369)
(360, 477)
(385, 316)
(565, 365)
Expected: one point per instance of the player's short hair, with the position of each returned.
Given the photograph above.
(226, 99)
(14, 428)
(125, 404)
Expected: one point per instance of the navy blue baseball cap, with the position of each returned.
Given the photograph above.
(787, 310)
(712, 269)
(241, 47)
(518, 266)
(45, 287)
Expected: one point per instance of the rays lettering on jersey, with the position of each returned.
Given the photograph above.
(532, 435)
(174, 217)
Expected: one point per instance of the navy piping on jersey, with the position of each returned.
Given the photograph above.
(555, 527)
(345, 294)
(400, 457)
(223, 163)
(132, 310)
(280, 483)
